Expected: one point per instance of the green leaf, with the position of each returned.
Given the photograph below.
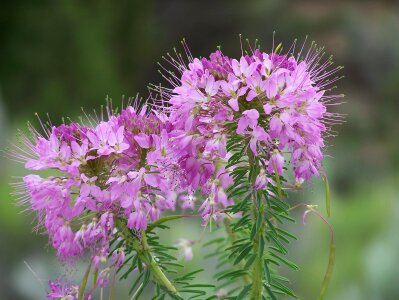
(243, 220)
(146, 277)
(280, 278)
(238, 248)
(192, 291)
(267, 271)
(327, 188)
(140, 265)
(135, 283)
(162, 220)
(276, 242)
(250, 261)
(244, 291)
(282, 205)
(201, 285)
(283, 289)
(126, 261)
(286, 233)
(278, 183)
(273, 261)
(196, 296)
(233, 274)
(243, 254)
(254, 230)
(270, 292)
(261, 245)
(259, 220)
(285, 261)
(173, 264)
(189, 275)
(271, 226)
(213, 241)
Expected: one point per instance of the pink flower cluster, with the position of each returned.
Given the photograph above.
(277, 101)
(133, 167)
(138, 163)
(116, 169)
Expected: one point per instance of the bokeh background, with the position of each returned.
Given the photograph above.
(57, 56)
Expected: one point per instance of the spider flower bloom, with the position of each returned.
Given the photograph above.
(278, 101)
(121, 167)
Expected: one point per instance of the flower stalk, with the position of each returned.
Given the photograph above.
(257, 215)
(257, 269)
(144, 253)
(84, 282)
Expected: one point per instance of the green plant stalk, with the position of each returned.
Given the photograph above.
(257, 269)
(331, 259)
(329, 271)
(84, 282)
(146, 256)
(144, 253)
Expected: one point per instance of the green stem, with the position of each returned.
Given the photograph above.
(84, 283)
(144, 253)
(257, 269)
(146, 256)
(257, 211)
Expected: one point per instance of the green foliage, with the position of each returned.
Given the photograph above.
(154, 263)
(327, 189)
(256, 245)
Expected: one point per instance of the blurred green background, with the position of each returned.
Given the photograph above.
(57, 56)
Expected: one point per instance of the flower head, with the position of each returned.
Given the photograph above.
(277, 101)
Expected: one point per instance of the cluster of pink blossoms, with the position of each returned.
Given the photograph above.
(277, 102)
(139, 163)
(106, 171)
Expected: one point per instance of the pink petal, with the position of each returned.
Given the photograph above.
(143, 140)
(233, 102)
(151, 180)
(252, 145)
(251, 95)
(267, 108)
